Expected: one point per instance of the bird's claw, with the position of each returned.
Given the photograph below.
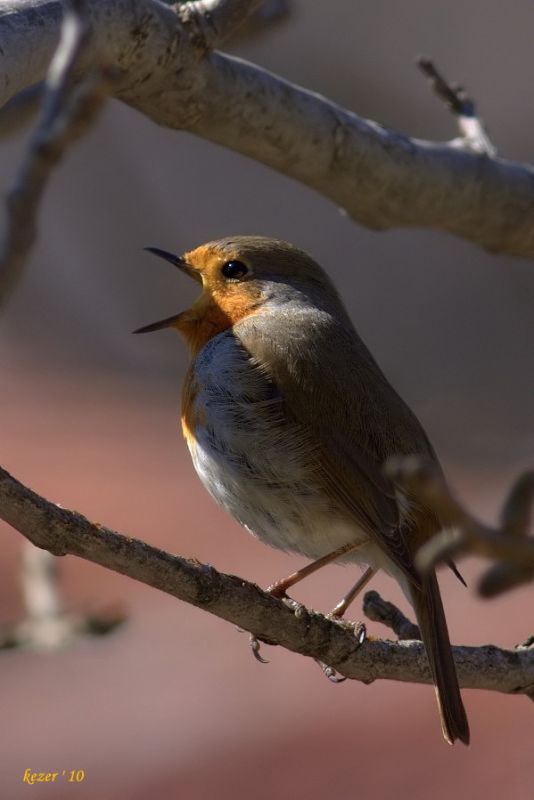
(298, 609)
(255, 647)
(358, 628)
(360, 633)
(329, 672)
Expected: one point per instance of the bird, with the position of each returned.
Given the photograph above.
(289, 421)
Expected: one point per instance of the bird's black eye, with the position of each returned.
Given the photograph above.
(234, 270)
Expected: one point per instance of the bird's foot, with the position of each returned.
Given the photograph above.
(255, 648)
(298, 609)
(255, 641)
(360, 633)
(278, 589)
(329, 672)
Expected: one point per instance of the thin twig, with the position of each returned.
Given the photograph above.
(210, 22)
(66, 532)
(474, 134)
(463, 534)
(46, 624)
(379, 610)
(67, 112)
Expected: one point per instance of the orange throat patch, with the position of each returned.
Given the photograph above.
(213, 313)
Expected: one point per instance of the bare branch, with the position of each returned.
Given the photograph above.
(66, 532)
(379, 610)
(474, 135)
(380, 178)
(46, 624)
(463, 534)
(68, 110)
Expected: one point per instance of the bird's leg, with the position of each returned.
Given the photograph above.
(338, 611)
(353, 592)
(279, 588)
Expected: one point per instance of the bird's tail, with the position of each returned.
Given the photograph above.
(431, 619)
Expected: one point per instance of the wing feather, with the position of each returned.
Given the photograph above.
(352, 417)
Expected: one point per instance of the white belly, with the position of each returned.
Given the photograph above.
(253, 461)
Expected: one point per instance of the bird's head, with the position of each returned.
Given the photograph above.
(239, 275)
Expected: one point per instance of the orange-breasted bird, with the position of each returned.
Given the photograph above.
(289, 421)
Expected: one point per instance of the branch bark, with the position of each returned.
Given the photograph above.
(63, 532)
(67, 111)
(379, 177)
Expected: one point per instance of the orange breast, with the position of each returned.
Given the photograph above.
(213, 313)
(192, 415)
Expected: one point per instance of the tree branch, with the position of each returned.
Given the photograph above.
(379, 177)
(511, 544)
(46, 624)
(380, 610)
(67, 111)
(64, 532)
(474, 135)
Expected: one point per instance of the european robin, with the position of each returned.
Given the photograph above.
(289, 421)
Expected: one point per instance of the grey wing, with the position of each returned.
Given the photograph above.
(332, 386)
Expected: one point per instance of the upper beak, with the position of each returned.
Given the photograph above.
(179, 262)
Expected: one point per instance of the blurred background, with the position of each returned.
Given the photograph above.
(172, 704)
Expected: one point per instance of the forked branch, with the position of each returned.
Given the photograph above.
(381, 178)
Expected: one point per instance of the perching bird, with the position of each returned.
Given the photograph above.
(289, 421)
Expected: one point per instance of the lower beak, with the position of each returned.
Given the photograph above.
(156, 326)
(182, 265)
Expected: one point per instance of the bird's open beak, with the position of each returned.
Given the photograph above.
(179, 262)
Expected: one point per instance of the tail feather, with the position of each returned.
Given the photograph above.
(431, 619)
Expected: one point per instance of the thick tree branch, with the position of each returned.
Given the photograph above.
(64, 532)
(380, 178)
